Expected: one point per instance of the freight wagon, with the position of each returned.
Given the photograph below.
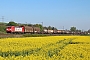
(47, 31)
(29, 29)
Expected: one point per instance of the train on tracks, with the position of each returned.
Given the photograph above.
(33, 30)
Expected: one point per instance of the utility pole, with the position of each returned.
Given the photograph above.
(63, 27)
(26, 23)
(2, 19)
(42, 27)
(63, 30)
(42, 24)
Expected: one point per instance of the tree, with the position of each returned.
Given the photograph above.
(78, 30)
(89, 31)
(2, 28)
(39, 25)
(45, 27)
(53, 28)
(49, 27)
(30, 24)
(73, 29)
(11, 23)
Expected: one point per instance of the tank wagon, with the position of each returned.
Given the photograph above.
(22, 29)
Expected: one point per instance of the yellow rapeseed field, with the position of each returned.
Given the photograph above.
(45, 48)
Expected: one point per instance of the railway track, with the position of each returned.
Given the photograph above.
(30, 35)
(10, 35)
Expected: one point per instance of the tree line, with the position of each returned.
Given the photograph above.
(12, 23)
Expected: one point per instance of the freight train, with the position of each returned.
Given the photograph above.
(33, 30)
(29, 29)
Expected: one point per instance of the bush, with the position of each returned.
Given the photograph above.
(2, 29)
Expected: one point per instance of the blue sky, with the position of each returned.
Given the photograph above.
(57, 13)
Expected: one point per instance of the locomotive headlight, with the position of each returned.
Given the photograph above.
(6, 29)
(10, 29)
